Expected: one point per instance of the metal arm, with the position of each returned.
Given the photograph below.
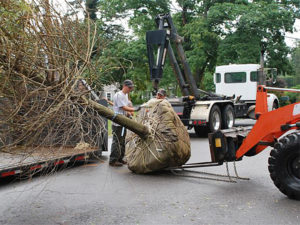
(162, 37)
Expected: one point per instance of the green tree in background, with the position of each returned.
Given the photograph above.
(201, 40)
(215, 32)
(127, 55)
(296, 62)
(251, 28)
(140, 13)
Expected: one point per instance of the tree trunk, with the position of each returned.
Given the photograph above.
(122, 120)
(261, 76)
(184, 15)
(199, 73)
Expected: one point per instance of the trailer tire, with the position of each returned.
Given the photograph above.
(215, 119)
(228, 117)
(284, 165)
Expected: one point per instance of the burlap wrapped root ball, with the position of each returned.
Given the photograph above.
(168, 144)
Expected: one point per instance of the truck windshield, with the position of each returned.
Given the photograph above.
(237, 77)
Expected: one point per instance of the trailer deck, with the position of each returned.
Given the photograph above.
(24, 160)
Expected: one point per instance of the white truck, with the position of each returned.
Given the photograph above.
(241, 80)
(204, 111)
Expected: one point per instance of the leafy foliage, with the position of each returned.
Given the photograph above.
(215, 32)
(296, 62)
(253, 28)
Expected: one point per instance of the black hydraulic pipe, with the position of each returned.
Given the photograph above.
(187, 71)
(177, 71)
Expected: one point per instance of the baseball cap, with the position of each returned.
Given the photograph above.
(128, 83)
(162, 92)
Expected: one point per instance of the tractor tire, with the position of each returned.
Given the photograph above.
(228, 117)
(215, 119)
(284, 165)
(201, 131)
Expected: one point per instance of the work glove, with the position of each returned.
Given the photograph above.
(129, 114)
(138, 108)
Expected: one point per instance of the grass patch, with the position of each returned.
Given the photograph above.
(109, 128)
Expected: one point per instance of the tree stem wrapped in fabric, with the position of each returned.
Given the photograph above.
(168, 144)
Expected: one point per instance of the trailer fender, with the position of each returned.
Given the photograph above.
(201, 109)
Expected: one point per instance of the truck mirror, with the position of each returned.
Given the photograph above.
(270, 75)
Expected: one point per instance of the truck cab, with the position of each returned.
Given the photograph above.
(241, 80)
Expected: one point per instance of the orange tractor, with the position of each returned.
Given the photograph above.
(278, 129)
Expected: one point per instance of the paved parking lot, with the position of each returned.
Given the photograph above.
(99, 194)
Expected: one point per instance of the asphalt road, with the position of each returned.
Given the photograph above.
(99, 194)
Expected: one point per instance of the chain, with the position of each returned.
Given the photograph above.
(231, 179)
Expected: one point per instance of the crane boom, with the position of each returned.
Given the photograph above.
(167, 32)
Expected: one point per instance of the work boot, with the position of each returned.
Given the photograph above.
(122, 161)
(115, 164)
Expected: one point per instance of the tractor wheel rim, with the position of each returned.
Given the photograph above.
(294, 164)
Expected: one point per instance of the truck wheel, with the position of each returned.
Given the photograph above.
(228, 117)
(201, 131)
(284, 165)
(215, 119)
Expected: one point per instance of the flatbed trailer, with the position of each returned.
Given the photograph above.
(24, 161)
